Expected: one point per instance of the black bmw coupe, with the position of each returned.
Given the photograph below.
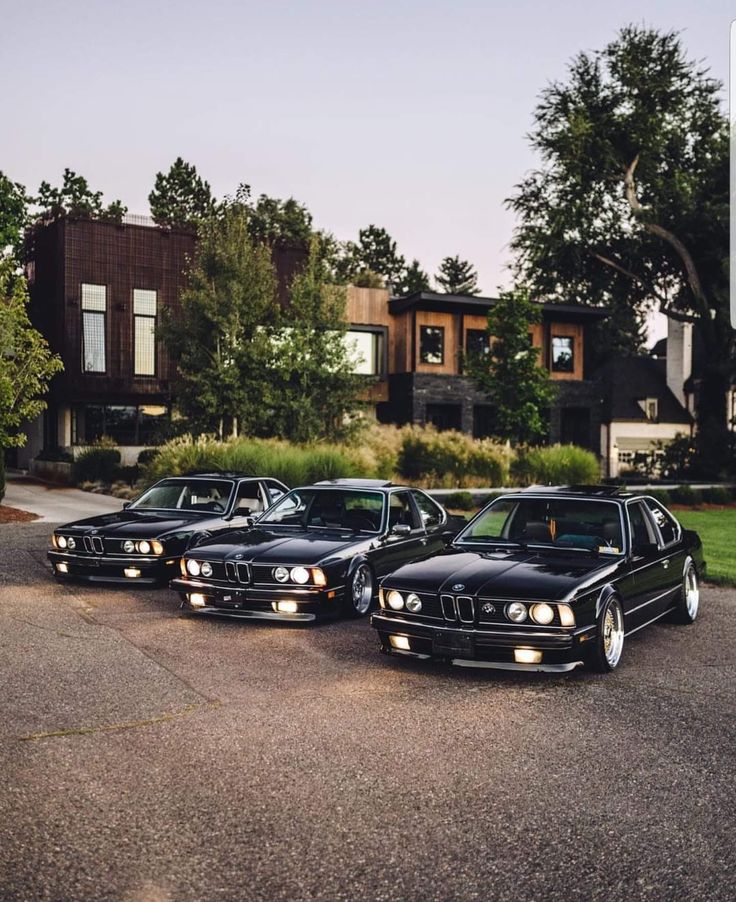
(545, 579)
(318, 552)
(143, 542)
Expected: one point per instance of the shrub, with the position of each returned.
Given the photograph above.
(461, 501)
(556, 465)
(686, 495)
(146, 456)
(451, 459)
(99, 463)
(717, 494)
(661, 495)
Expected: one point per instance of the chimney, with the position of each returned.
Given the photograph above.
(679, 357)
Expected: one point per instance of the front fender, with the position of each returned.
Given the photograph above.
(606, 592)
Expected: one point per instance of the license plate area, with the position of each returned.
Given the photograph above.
(453, 644)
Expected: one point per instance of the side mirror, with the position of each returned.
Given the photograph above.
(400, 530)
(126, 505)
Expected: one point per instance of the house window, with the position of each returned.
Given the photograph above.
(562, 354)
(432, 344)
(147, 424)
(94, 309)
(144, 331)
(444, 416)
(476, 342)
(366, 349)
(651, 408)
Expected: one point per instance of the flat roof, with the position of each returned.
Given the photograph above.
(457, 303)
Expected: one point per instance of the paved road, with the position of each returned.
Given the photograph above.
(54, 503)
(150, 758)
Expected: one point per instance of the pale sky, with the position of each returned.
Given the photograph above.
(410, 115)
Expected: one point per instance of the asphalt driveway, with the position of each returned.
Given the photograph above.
(148, 757)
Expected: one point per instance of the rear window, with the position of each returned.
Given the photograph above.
(664, 520)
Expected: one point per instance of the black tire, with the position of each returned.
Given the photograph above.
(359, 591)
(608, 647)
(688, 599)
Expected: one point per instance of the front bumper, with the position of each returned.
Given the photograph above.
(108, 568)
(559, 650)
(258, 603)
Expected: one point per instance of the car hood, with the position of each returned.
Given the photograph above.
(516, 574)
(138, 524)
(261, 546)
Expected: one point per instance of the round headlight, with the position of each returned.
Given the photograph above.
(395, 600)
(206, 568)
(128, 546)
(516, 611)
(193, 567)
(144, 547)
(413, 603)
(61, 541)
(281, 574)
(71, 542)
(543, 614)
(300, 575)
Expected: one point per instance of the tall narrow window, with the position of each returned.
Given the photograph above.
(144, 315)
(94, 309)
(562, 354)
(432, 344)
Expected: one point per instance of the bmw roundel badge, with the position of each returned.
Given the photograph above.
(458, 587)
(488, 608)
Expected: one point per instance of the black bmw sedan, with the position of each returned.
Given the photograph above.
(319, 551)
(545, 579)
(143, 542)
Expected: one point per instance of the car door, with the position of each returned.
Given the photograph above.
(394, 549)
(433, 518)
(649, 573)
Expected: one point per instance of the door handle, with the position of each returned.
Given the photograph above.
(665, 564)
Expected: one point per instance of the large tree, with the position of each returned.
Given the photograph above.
(456, 276)
(280, 221)
(220, 342)
(629, 207)
(518, 388)
(13, 213)
(180, 197)
(413, 279)
(376, 252)
(312, 385)
(75, 198)
(26, 362)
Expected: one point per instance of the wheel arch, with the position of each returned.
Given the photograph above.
(608, 591)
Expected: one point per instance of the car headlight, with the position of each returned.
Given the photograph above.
(128, 546)
(71, 542)
(281, 574)
(516, 611)
(61, 540)
(567, 615)
(144, 547)
(543, 614)
(157, 547)
(193, 567)
(318, 577)
(206, 568)
(395, 600)
(413, 603)
(300, 575)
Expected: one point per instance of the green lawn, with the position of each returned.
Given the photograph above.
(717, 529)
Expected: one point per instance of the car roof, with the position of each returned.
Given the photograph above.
(357, 483)
(613, 492)
(221, 474)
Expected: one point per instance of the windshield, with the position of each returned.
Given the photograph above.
(557, 522)
(319, 508)
(207, 495)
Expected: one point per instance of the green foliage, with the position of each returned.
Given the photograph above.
(661, 495)
(312, 389)
(678, 458)
(630, 205)
(413, 279)
(100, 463)
(556, 465)
(451, 459)
(26, 363)
(716, 528)
(456, 276)
(180, 197)
(687, 495)
(13, 213)
(517, 387)
(76, 199)
(280, 221)
(459, 501)
(717, 494)
(375, 254)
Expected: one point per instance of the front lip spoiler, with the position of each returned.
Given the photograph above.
(251, 615)
(494, 665)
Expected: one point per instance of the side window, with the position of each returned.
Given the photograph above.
(249, 499)
(664, 520)
(430, 512)
(275, 491)
(642, 532)
(400, 510)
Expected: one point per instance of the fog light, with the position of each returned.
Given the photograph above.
(62, 568)
(132, 572)
(300, 575)
(400, 642)
(527, 656)
(197, 601)
(286, 607)
(413, 603)
(395, 600)
(543, 614)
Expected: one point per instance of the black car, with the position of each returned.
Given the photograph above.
(545, 579)
(143, 542)
(318, 552)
